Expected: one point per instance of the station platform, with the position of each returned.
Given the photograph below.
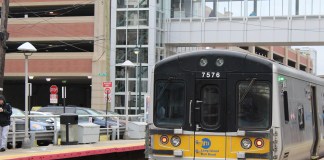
(71, 151)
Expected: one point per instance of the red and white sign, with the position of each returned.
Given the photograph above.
(109, 98)
(107, 90)
(53, 89)
(107, 84)
(53, 98)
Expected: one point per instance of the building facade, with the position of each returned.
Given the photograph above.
(70, 39)
(148, 25)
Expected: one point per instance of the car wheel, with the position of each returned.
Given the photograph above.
(43, 143)
(10, 146)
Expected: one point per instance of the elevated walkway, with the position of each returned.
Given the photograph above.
(245, 31)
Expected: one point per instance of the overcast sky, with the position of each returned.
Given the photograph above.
(320, 59)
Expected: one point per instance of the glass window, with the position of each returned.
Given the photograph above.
(121, 4)
(120, 101)
(121, 18)
(131, 86)
(143, 57)
(120, 55)
(121, 37)
(144, 72)
(143, 36)
(132, 18)
(120, 86)
(211, 105)
(144, 86)
(143, 17)
(131, 55)
(144, 3)
(120, 72)
(223, 9)
(169, 104)
(131, 37)
(196, 9)
(254, 102)
(176, 11)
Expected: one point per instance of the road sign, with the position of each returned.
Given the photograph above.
(53, 89)
(53, 98)
(109, 98)
(107, 91)
(106, 84)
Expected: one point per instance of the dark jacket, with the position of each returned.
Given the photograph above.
(5, 115)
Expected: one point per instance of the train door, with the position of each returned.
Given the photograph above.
(315, 123)
(210, 108)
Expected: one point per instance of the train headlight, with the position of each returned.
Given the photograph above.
(246, 143)
(259, 142)
(203, 62)
(175, 141)
(164, 139)
(219, 62)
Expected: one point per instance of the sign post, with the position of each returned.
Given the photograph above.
(107, 90)
(64, 97)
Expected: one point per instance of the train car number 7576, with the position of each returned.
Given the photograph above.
(210, 74)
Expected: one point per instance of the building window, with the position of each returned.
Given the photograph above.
(120, 86)
(302, 67)
(119, 100)
(121, 18)
(121, 37)
(291, 63)
(131, 37)
(120, 55)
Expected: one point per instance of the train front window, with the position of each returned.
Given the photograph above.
(254, 102)
(169, 104)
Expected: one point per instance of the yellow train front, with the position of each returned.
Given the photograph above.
(211, 105)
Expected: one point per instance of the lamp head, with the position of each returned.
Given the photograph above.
(136, 50)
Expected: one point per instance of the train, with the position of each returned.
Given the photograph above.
(220, 104)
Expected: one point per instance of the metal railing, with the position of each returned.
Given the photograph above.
(17, 135)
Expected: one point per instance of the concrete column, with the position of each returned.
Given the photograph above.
(99, 57)
(298, 59)
(270, 52)
(308, 64)
(285, 59)
(252, 49)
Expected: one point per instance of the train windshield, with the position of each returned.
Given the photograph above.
(169, 103)
(254, 102)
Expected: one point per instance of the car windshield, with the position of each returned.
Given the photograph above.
(95, 113)
(17, 112)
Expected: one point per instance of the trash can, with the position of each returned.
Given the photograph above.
(69, 129)
(88, 133)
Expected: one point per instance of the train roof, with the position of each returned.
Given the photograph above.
(235, 62)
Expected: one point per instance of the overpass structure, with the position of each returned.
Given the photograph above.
(245, 23)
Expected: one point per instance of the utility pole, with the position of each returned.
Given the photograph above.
(4, 35)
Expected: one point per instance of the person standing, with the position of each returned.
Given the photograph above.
(5, 113)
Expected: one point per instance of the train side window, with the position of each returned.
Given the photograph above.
(301, 119)
(285, 100)
(254, 105)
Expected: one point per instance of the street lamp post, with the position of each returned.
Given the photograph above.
(139, 85)
(26, 47)
(136, 51)
(126, 64)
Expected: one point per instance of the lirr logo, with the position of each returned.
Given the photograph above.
(205, 143)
